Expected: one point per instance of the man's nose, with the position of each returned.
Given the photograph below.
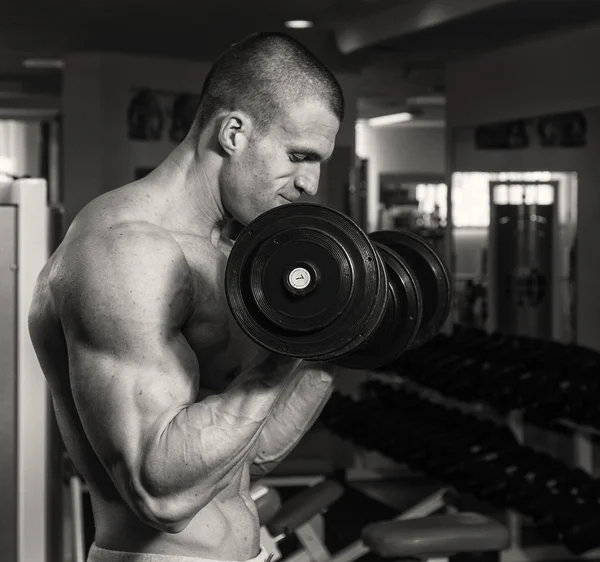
(308, 181)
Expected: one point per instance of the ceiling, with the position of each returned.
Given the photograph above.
(399, 47)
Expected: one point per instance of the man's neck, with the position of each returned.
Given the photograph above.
(190, 176)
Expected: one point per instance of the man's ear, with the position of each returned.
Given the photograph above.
(234, 131)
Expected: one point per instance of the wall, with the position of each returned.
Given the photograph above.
(399, 149)
(98, 156)
(550, 75)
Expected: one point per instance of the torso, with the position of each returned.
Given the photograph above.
(225, 529)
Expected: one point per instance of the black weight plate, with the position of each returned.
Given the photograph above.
(401, 320)
(343, 302)
(431, 274)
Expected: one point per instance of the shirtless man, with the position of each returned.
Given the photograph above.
(166, 408)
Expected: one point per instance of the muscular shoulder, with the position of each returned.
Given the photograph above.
(126, 268)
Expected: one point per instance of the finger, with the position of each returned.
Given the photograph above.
(324, 367)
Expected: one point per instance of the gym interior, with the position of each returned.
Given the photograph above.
(470, 124)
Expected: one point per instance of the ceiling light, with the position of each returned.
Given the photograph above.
(299, 24)
(437, 100)
(43, 63)
(391, 119)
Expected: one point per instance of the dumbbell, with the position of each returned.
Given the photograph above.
(303, 280)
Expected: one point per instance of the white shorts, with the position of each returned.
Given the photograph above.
(98, 554)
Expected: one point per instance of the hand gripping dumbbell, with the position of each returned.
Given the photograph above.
(303, 280)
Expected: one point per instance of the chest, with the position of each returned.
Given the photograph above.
(222, 349)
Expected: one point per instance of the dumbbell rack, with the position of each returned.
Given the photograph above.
(513, 421)
(583, 458)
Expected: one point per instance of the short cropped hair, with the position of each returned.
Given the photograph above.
(263, 75)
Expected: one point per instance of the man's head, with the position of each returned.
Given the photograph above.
(275, 110)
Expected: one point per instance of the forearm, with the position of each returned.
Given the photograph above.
(294, 414)
(201, 448)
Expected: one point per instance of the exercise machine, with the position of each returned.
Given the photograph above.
(431, 529)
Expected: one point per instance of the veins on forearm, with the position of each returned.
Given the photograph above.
(294, 414)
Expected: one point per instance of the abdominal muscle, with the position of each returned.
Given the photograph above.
(226, 529)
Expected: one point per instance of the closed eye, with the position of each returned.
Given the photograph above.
(308, 156)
